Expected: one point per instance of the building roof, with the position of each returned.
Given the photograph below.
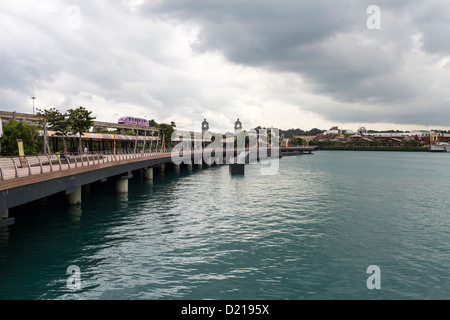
(102, 136)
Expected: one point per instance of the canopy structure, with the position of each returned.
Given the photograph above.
(103, 136)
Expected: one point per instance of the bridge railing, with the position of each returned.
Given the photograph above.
(18, 167)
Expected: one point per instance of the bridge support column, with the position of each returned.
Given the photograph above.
(189, 166)
(121, 185)
(200, 165)
(176, 168)
(148, 173)
(237, 168)
(86, 188)
(162, 168)
(74, 198)
(5, 220)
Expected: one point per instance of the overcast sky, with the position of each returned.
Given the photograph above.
(284, 63)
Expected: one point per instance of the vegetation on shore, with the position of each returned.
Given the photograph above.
(79, 120)
(29, 134)
(292, 133)
(372, 148)
(73, 122)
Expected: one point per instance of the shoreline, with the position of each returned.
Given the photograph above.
(391, 149)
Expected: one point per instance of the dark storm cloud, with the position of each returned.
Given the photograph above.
(68, 50)
(328, 44)
(259, 32)
(172, 58)
(433, 20)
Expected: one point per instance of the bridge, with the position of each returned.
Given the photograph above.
(30, 178)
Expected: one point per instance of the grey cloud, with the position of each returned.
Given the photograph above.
(327, 44)
(123, 56)
(105, 56)
(433, 21)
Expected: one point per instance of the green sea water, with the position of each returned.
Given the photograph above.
(308, 232)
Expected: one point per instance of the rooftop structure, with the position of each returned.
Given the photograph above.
(237, 126)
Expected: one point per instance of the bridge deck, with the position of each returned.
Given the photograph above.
(15, 172)
(32, 178)
(50, 169)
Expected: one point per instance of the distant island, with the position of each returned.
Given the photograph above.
(368, 140)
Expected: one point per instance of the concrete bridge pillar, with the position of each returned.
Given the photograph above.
(74, 198)
(200, 165)
(121, 185)
(176, 168)
(5, 220)
(237, 168)
(189, 166)
(148, 173)
(86, 188)
(162, 169)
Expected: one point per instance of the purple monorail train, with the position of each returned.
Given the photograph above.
(133, 121)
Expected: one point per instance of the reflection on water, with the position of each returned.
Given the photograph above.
(75, 213)
(309, 232)
(4, 236)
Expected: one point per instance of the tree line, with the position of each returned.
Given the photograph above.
(291, 133)
(14, 130)
(74, 121)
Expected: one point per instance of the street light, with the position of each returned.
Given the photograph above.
(33, 98)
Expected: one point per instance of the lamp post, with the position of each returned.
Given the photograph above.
(33, 98)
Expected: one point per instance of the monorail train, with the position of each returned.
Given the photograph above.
(133, 121)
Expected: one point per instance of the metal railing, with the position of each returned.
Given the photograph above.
(17, 167)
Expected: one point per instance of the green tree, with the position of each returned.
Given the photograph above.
(80, 120)
(297, 141)
(411, 142)
(291, 133)
(166, 131)
(14, 130)
(56, 121)
(314, 132)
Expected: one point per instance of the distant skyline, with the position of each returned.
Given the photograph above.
(287, 64)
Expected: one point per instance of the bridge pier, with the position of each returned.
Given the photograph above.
(5, 220)
(74, 198)
(75, 213)
(237, 168)
(189, 166)
(86, 188)
(148, 173)
(176, 168)
(162, 168)
(121, 185)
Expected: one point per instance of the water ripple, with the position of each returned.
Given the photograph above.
(308, 232)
